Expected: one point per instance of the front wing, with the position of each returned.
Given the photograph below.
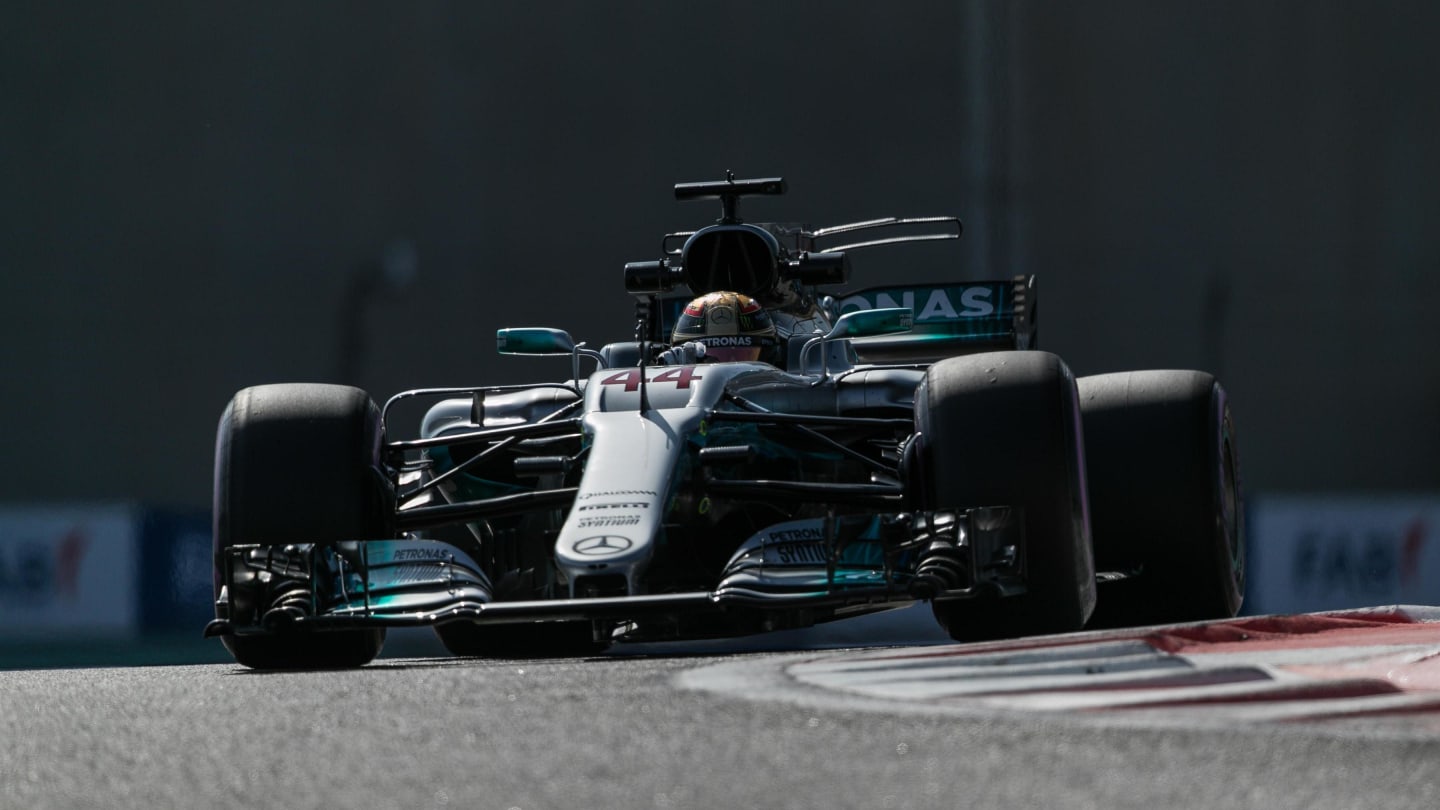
(423, 582)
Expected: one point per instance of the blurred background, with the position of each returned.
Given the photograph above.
(200, 197)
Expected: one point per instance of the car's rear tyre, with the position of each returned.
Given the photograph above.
(533, 640)
(1165, 494)
(299, 463)
(1003, 429)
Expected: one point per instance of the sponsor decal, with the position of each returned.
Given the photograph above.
(796, 535)
(422, 554)
(727, 340)
(930, 303)
(619, 493)
(791, 553)
(817, 553)
(629, 505)
(602, 545)
(607, 521)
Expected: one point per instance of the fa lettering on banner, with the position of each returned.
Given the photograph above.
(37, 571)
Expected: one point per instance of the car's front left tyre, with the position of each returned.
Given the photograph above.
(1003, 429)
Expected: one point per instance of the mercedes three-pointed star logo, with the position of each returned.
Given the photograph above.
(602, 545)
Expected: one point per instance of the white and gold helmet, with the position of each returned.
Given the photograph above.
(730, 325)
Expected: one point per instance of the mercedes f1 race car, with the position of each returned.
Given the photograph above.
(894, 444)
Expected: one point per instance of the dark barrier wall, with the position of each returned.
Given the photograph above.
(200, 197)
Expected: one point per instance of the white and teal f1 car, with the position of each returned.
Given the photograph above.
(905, 443)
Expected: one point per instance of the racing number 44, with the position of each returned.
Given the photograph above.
(681, 377)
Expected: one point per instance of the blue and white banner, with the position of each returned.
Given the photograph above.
(1318, 552)
(68, 569)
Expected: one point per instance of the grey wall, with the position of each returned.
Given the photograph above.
(1249, 187)
(191, 191)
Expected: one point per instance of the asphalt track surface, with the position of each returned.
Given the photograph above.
(662, 726)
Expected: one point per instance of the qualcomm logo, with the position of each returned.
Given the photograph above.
(602, 545)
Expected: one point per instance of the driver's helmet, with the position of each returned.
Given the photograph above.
(730, 325)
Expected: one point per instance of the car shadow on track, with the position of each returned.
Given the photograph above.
(912, 626)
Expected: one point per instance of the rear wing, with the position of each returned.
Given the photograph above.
(766, 260)
(950, 319)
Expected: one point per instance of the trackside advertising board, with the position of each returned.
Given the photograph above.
(1318, 552)
(175, 592)
(67, 571)
(121, 570)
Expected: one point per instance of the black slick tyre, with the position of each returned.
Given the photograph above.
(1166, 496)
(299, 463)
(1003, 429)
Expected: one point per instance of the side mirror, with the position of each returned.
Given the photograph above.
(816, 269)
(871, 322)
(537, 340)
(651, 278)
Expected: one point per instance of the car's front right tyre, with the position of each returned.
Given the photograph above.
(299, 463)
